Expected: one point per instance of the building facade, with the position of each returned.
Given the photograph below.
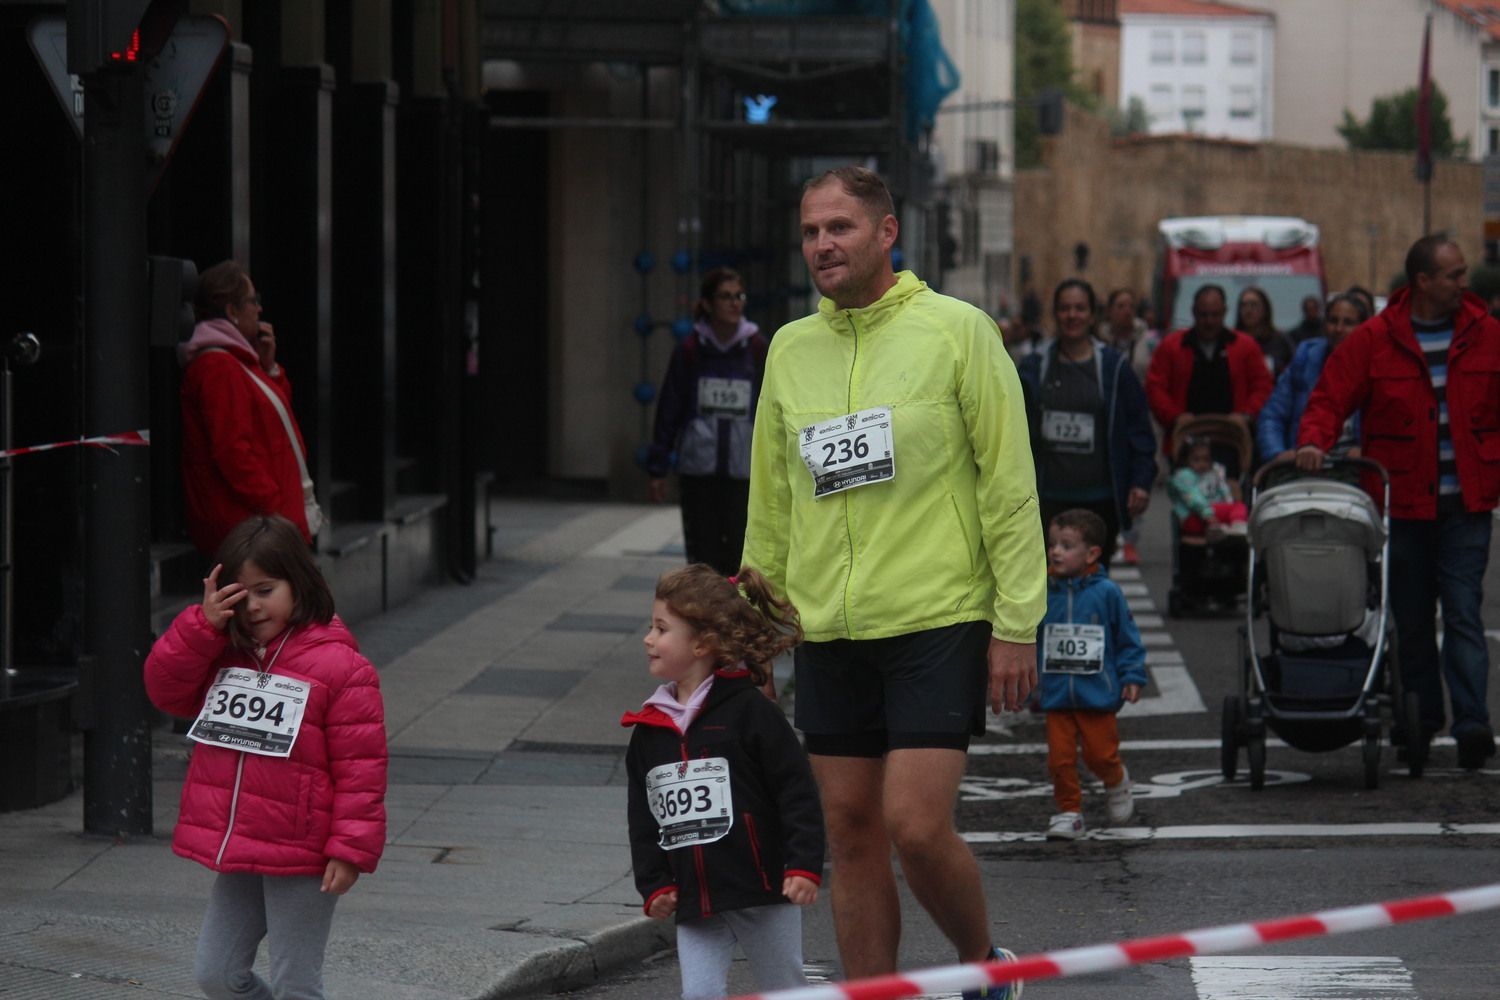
(1338, 55)
(1199, 67)
(973, 151)
(1096, 47)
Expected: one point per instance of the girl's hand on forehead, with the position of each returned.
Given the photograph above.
(219, 602)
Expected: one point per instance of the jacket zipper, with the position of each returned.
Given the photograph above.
(760, 867)
(234, 803)
(848, 526)
(705, 902)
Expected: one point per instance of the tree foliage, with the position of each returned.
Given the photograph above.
(1133, 119)
(1044, 58)
(1392, 125)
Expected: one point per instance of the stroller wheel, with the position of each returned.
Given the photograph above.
(1229, 735)
(1372, 761)
(1255, 749)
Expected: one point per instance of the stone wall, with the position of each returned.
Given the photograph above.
(1110, 193)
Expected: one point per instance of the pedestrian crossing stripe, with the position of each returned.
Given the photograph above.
(1328, 977)
(1247, 831)
(1176, 694)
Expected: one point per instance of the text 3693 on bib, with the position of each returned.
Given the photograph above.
(691, 801)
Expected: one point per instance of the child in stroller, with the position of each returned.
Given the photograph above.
(1200, 493)
(1208, 515)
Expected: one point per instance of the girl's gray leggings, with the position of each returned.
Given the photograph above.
(290, 911)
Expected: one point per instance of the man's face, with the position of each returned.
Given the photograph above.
(847, 252)
(1208, 316)
(1444, 288)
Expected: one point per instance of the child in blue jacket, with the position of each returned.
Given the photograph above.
(1091, 661)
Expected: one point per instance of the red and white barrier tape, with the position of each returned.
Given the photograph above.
(101, 441)
(1105, 957)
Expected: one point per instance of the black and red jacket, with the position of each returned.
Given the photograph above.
(778, 820)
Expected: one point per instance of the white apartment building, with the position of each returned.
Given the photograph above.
(1333, 55)
(974, 149)
(1199, 66)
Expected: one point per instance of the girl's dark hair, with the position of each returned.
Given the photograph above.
(709, 287)
(1185, 449)
(219, 287)
(1079, 283)
(1265, 302)
(742, 620)
(275, 545)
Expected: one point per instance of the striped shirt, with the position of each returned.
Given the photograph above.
(1434, 339)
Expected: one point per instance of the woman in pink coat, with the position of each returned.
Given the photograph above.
(285, 794)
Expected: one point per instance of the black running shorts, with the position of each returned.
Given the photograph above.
(863, 697)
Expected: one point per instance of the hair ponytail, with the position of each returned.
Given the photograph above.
(742, 619)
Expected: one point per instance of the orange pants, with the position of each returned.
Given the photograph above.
(1100, 737)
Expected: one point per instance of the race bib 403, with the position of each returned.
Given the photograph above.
(1073, 649)
(856, 449)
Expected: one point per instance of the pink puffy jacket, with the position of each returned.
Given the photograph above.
(280, 815)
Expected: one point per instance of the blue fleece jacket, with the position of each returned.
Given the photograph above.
(1276, 425)
(1091, 599)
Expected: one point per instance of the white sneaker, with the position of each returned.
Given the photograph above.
(1065, 826)
(1121, 800)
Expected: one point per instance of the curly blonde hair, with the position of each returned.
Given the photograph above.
(741, 618)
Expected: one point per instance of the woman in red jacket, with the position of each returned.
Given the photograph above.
(285, 795)
(242, 451)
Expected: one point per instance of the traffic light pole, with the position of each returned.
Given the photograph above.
(117, 611)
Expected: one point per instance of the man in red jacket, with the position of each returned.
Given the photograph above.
(1207, 368)
(1425, 377)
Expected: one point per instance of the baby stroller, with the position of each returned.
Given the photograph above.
(1318, 568)
(1207, 570)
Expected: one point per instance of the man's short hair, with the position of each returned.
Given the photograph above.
(864, 186)
(1210, 289)
(1422, 257)
(1090, 526)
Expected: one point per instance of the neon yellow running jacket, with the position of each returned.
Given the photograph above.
(956, 535)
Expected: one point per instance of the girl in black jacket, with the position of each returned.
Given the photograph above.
(725, 823)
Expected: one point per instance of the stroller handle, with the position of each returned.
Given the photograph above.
(1330, 463)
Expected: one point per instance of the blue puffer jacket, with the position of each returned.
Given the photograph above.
(1276, 426)
(1132, 445)
(1091, 599)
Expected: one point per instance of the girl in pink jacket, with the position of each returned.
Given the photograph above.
(285, 795)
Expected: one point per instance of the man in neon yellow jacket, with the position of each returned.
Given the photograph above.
(893, 499)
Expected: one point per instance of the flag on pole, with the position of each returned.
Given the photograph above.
(1424, 108)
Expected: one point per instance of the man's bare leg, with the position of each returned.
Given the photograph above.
(866, 907)
(921, 787)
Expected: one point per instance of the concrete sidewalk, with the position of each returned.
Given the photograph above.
(507, 871)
